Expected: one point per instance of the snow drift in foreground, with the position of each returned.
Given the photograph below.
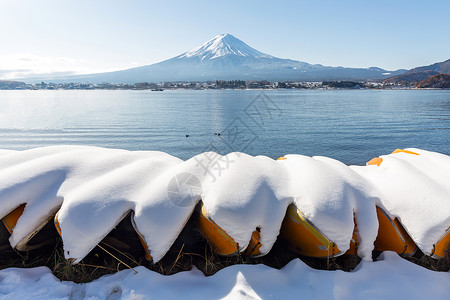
(91, 189)
(389, 278)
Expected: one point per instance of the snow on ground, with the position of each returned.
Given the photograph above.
(93, 188)
(390, 278)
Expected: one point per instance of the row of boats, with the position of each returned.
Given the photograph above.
(297, 231)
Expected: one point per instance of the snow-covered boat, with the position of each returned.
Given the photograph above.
(306, 239)
(426, 179)
(319, 206)
(39, 237)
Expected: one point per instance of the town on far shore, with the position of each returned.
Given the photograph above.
(208, 85)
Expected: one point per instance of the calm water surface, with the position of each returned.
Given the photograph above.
(352, 126)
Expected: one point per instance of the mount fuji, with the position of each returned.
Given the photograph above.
(225, 57)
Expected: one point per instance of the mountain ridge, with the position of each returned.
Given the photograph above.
(226, 57)
(419, 74)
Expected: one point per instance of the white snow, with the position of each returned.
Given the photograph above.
(325, 190)
(415, 188)
(3, 152)
(249, 194)
(334, 197)
(390, 278)
(221, 45)
(93, 188)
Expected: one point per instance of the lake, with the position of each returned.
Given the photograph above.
(350, 125)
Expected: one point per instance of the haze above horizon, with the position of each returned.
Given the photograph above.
(80, 37)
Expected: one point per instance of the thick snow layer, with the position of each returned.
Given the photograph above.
(92, 189)
(416, 189)
(252, 192)
(390, 278)
(329, 193)
(334, 197)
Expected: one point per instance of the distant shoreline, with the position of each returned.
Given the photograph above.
(214, 85)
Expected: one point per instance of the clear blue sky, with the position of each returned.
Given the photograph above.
(87, 36)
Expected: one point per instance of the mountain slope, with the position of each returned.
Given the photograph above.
(440, 81)
(440, 67)
(416, 75)
(221, 45)
(225, 57)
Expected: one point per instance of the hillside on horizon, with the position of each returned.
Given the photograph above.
(440, 81)
(226, 57)
(419, 74)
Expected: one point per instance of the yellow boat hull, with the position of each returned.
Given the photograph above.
(442, 247)
(305, 238)
(222, 242)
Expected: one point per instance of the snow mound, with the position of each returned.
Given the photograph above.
(91, 189)
(390, 278)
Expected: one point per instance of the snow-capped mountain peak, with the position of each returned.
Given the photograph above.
(222, 45)
(225, 57)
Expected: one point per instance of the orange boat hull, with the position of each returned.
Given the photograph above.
(442, 247)
(392, 236)
(223, 243)
(306, 239)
